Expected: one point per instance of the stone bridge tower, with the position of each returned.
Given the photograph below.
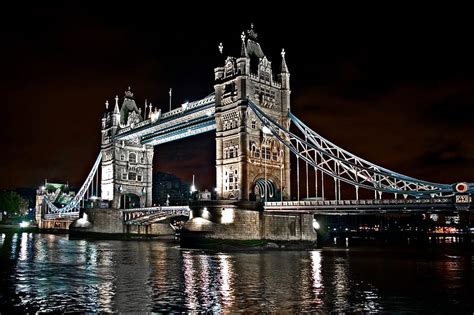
(251, 164)
(126, 164)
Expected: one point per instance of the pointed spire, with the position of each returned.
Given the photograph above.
(284, 67)
(243, 50)
(144, 113)
(221, 48)
(116, 108)
(107, 105)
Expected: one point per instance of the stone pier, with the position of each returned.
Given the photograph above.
(241, 224)
(109, 223)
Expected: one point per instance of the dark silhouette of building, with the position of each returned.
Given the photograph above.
(168, 189)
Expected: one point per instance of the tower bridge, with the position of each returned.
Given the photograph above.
(256, 137)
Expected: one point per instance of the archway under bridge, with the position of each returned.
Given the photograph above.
(129, 201)
(265, 190)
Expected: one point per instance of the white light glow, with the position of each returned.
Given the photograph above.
(316, 225)
(24, 224)
(205, 213)
(266, 130)
(83, 222)
(227, 216)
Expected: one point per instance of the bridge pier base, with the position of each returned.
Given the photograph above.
(244, 225)
(56, 225)
(110, 224)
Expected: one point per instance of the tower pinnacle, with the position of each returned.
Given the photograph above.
(116, 108)
(243, 51)
(284, 67)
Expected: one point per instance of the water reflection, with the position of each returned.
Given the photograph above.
(43, 273)
(208, 281)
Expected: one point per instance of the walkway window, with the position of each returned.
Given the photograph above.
(132, 158)
(266, 153)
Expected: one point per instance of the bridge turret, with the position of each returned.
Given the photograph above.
(285, 84)
(246, 161)
(126, 164)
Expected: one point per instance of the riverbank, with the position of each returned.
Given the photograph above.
(9, 228)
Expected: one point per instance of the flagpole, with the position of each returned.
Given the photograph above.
(170, 98)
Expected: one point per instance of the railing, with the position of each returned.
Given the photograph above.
(379, 205)
(316, 203)
(142, 214)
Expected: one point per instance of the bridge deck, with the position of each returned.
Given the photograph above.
(368, 206)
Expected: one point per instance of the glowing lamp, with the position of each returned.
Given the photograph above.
(316, 225)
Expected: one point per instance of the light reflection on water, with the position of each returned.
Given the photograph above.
(43, 273)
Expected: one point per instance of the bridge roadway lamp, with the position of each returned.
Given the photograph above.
(193, 187)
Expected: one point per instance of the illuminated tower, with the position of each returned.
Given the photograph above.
(251, 164)
(126, 164)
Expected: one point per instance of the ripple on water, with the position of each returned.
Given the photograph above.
(51, 273)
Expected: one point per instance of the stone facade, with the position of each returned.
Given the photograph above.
(249, 162)
(236, 220)
(126, 164)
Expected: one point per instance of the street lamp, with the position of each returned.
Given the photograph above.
(193, 187)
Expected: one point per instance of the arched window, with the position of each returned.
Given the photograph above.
(132, 158)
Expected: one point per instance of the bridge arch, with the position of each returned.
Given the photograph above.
(264, 186)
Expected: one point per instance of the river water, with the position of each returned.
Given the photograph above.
(45, 272)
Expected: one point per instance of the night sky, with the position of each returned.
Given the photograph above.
(394, 87)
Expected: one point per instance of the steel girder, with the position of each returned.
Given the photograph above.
(342, 165)
(73, 205)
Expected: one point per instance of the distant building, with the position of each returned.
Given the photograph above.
(205, 195)
(168, 189)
